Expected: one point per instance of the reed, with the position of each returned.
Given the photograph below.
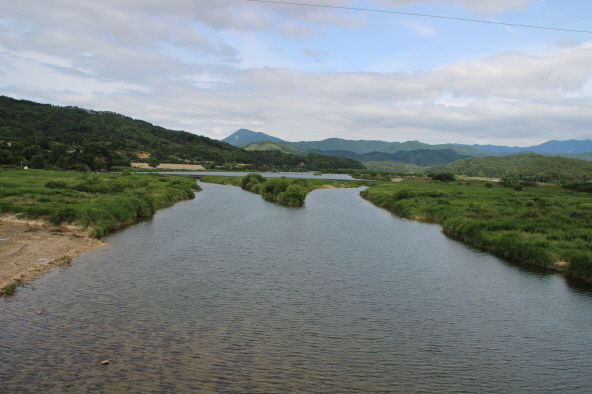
(537, 225)
(100, 203)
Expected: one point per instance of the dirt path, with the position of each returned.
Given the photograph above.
(30, 248)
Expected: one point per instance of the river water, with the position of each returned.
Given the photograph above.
(229, 293)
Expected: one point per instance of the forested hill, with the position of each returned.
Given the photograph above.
(418, 157)
(572, 147)
(281, 146)
(363, 146)
(245, 136)
(524, 166)
(47, 136)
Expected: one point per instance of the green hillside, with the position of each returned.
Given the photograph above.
(415, 158)
(245, 136)
(338, 144)
(72, 138)
(580, 156)
(528, 166)
(418, 157)
(361, 147)
(285, 147)
(394, 167)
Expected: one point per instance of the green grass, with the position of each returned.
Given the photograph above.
(539, 225)
(9, 288)
(290, 191)
(100, 203)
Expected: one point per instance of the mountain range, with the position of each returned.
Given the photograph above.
(43, 136)
(376, 154)
(554, 146)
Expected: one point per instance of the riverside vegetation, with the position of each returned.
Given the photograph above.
(544, 225)
(100, 203)
(288, 191)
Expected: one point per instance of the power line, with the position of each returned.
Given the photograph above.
(420, 15)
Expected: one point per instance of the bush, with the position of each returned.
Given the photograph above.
(56, 185)
(295, 194)
(580, 264)
(67, 215)
(403, 194)
(37, 162)
(443, 177)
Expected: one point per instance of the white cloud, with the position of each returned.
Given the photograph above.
(317, 55)
(179, 64)
(480, 6)
(514, 76)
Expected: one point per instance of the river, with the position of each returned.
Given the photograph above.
(229, 293)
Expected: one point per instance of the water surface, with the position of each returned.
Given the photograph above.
(229, 293)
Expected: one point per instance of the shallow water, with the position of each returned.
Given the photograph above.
(229, 293)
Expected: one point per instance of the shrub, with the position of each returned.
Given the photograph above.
(580, 264)
(67, 214)
(403, 194)
(443, 177)
(251, 179)
(295, 194)
(56, 185)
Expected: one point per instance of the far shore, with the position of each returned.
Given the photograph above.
(30, 248)
(170, 166)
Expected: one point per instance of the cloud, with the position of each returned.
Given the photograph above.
(481, 6)
(296, 31)
(515, 76)
(496, 98)
(317, 55)
(179, 64)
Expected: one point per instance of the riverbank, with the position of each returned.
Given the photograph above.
(30, 248)
(544, 226)
(49, 217)
(284, 190)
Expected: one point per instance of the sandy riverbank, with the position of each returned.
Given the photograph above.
(170, 166)
(29, 248)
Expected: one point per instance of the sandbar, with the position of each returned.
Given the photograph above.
(30, 248)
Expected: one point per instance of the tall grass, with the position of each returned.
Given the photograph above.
(288, 191)
(535, 225)
(100, 203)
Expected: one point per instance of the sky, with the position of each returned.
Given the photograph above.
(304, 73)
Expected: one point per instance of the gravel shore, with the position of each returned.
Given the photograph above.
(30, 248)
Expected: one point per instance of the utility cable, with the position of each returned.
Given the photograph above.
(420, 15)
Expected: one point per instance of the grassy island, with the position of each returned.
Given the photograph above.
(288, 191)
(100, 203)
(542, 225)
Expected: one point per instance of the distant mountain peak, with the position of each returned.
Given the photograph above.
(245, 136)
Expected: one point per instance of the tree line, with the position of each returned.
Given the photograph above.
(72, 138)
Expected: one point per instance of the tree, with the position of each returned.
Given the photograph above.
(37, 162)
(295, 194)
(153, 162)
(444, 177)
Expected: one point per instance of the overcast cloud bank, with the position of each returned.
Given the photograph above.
(299, 73)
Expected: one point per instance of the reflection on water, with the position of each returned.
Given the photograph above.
(229, 293)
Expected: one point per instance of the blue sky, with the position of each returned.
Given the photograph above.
(305, 73)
